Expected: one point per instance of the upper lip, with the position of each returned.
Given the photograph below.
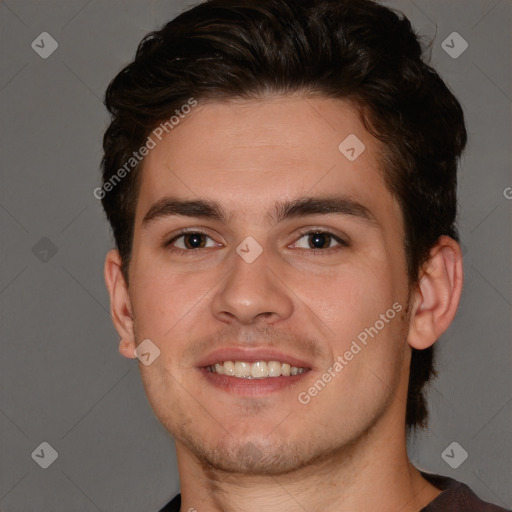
(250, 355)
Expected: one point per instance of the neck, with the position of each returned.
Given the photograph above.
(373, 473)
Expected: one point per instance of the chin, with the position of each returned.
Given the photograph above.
(257, 457)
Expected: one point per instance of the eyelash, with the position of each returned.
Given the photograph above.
(342, 243)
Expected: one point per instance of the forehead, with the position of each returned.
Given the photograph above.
(247, 155)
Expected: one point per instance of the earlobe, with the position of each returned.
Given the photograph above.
(120, 307)
(437, 295)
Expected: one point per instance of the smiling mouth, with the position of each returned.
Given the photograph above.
(256, 370)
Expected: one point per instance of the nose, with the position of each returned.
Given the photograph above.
(252, 292)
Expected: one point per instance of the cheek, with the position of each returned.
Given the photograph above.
(160, 300)
(348, 301)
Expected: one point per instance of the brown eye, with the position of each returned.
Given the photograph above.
(194, 240)
(320, 240)
(190, 240)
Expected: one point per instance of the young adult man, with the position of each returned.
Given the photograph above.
(280, 177)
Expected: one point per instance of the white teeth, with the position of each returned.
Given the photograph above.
(257, 370)
(274, 368)
(229, 368)
(242, 369)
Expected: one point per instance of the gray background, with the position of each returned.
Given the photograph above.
(61, 378)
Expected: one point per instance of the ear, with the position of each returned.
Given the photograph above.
(437, 295)
(120, 307)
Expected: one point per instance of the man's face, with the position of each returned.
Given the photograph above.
(210, 296)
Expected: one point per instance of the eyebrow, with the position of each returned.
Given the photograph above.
(301, 207)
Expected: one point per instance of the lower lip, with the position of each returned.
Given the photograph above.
(250, 387)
